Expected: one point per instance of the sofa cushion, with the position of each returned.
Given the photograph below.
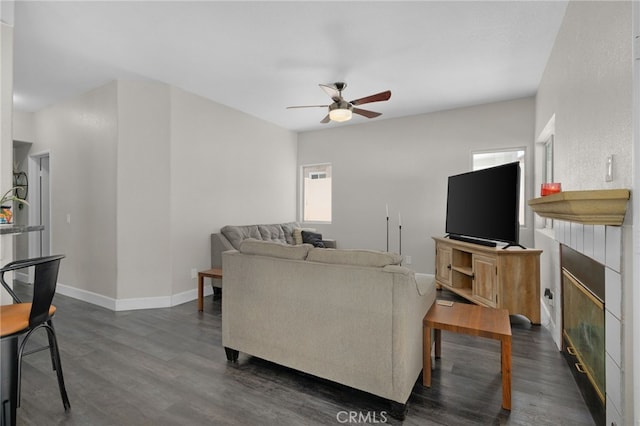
(312, 238)
(288, 228)
(274, 249)
(353, 257)
(235, 234)
(272, 233)
(282, 233)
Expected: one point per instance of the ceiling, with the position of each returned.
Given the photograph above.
(260, 57)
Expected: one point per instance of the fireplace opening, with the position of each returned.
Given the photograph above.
(583, 328)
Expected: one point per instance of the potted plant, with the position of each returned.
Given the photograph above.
(6, 203)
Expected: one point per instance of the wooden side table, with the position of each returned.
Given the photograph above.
(209, 273)
(474, 320)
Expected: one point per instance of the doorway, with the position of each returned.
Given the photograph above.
(40, 204)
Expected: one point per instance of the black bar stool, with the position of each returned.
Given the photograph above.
(20, 319)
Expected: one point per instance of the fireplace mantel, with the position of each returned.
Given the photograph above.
(595, 207)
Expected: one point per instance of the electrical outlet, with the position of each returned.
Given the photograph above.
(407, 260)
(194, 273)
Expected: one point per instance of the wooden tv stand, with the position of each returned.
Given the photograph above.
(491, 276)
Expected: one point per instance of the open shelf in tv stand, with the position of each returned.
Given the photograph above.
(491, 276)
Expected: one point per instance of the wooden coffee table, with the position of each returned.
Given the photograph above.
(209, 273)
(473, 320)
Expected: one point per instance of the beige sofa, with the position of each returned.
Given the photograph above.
(230, 237)
(349, 316)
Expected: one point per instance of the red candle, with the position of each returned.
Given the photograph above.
(550, 188)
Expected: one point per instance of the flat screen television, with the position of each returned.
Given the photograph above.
(484, 205)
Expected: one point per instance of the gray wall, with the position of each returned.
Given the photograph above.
(405, 163)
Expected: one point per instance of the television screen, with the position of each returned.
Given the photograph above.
(485, 204)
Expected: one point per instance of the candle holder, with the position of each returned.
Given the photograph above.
(400, 235)
(387, 207)
(550, 188)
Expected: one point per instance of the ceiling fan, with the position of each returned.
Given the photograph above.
(341, 110)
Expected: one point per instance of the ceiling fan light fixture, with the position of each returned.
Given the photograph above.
(340, 115)
(340, 111)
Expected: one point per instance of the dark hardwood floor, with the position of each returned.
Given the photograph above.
(167, 367)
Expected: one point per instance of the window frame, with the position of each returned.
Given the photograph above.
(302, 193)
(523, 172)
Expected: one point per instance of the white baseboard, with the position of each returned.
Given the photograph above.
(87, 296)
(549, 323)
(132, 303)
(189, 295)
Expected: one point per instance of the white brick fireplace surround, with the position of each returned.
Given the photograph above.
(604, 245)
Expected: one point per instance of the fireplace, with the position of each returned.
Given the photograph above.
(591, 224)
(583, 326)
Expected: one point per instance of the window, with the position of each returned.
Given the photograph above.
(548, 157)
(486, 159)
(316, 193)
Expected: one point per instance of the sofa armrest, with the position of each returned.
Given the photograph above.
(330, 244)
(424, 283)
(219, 244)
(411, 302)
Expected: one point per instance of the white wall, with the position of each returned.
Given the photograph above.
(147, 172)
(21, 211)
(405, 162)
(143, 176)
(81, 137)
(23, 129)
(587, 84)
(227, 168)
(6, 108)
(633, 252)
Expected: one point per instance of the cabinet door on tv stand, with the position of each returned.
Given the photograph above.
(485, 280)
(443, 265)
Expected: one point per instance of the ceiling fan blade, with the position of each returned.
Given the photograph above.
(326, 119)
(332, 91)
(366, 113)
(382, 96)
(307, 106)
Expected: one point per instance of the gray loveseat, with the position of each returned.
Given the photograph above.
(230, 237)
(350, 316)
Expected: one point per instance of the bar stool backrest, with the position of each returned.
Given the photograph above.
(44, 288)
(44, 284)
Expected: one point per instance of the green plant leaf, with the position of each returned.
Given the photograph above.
(6, 197)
